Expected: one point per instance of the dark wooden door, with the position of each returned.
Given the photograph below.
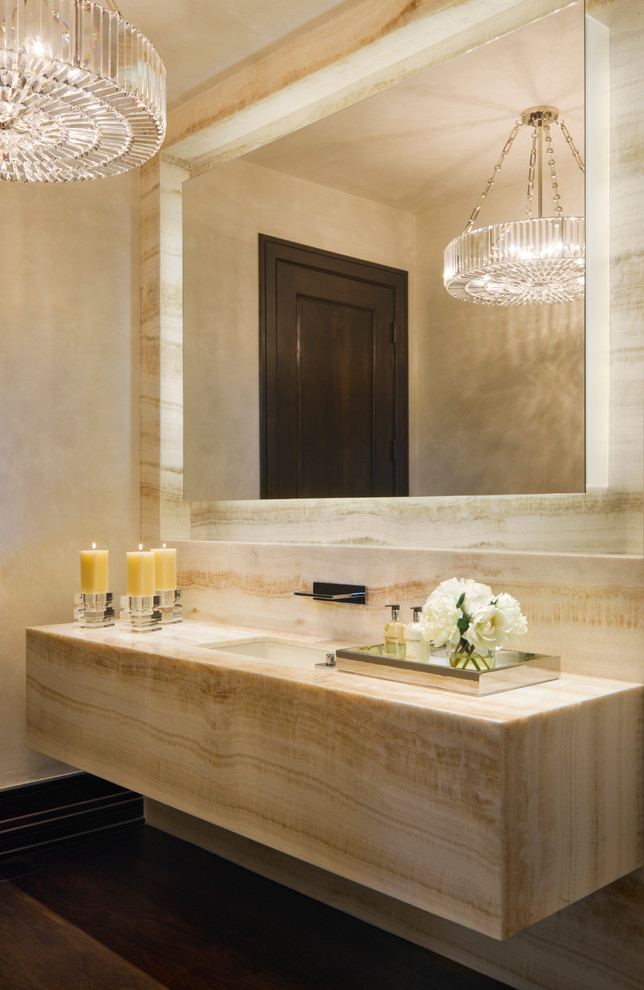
(333, 346)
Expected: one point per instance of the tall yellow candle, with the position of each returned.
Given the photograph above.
(140, 572)
(95, 571)
(165, 568)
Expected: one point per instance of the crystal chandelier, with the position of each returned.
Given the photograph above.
(82, 92)
(536, 260)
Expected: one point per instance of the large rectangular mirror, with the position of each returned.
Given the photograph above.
(607, 517)
(496, 394)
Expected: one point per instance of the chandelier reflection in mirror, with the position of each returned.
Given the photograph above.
(536, 260)
(82, 94)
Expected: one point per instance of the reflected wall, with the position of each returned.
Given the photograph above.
(496, 393)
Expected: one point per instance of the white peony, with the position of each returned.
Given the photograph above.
(475, 594)
(517, 623)
(460, 611)
(487, 629)
(493, 625)
(439, 619)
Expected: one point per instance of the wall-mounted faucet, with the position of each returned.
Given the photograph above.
(329, 662)
(347, 594)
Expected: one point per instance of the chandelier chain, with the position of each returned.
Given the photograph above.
(553, 170)
(545, 124)
(571, 144)
(532, 163)
(490, 181)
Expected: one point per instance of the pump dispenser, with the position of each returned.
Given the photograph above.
(395, 634)
(417, 647)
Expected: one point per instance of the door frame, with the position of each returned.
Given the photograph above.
(275, 249)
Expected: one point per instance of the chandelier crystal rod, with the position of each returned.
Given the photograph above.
(82, 91)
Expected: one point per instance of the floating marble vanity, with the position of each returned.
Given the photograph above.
(491, 812)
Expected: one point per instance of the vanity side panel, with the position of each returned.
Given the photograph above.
(572, 780)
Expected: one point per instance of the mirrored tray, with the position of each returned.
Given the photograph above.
(511, 670)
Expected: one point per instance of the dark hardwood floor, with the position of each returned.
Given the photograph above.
(134, 909)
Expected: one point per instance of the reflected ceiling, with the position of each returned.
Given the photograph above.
(410, 146)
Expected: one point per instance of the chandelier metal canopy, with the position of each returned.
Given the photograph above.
(536, 260)
(82, 92)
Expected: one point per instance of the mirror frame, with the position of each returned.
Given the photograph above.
(243, 111)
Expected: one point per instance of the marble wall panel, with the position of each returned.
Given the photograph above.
(608, 522)
(161, 354)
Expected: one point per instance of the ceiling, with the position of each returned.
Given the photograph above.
(199, 39)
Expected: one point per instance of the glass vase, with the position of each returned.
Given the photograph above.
(465, 657)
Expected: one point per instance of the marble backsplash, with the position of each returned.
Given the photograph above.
(587, 609)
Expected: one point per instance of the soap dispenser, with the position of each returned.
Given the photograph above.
(395, 634)
(417, 647)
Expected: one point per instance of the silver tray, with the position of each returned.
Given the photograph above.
(511, 670)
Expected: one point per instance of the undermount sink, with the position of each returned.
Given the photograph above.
(273, 650)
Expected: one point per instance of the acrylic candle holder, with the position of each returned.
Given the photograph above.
(169, 605)
(93, 611)
(143, 612)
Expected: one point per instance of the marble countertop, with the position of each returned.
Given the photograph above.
(186, 641)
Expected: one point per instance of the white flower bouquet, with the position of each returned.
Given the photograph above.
(471, 621)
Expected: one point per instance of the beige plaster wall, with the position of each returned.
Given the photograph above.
(502, 407)
(223, 212)
(69, 412)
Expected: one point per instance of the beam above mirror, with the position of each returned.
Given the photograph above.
(352, 52)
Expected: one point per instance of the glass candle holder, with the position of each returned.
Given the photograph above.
(169, 604)
(93, 611)
(143, 612)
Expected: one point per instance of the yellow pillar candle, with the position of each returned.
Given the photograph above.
(95, 571)
(140, 573)
(165, 568)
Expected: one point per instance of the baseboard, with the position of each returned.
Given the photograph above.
(49, 811)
